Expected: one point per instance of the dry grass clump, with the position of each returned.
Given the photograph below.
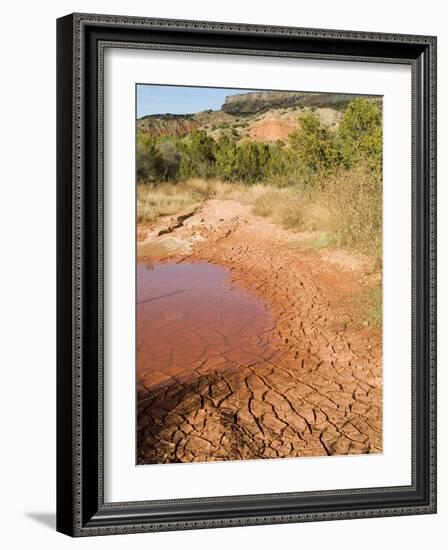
(291, 215)
(289, 208)
(284, 206)
(167, 199)
(322, 240)
(370, 303)
(264, 200)
(376, 306)
(354, 200)
(162, 200)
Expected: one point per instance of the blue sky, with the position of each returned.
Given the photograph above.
(156, 100)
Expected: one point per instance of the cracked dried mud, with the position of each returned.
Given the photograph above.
(250, 343)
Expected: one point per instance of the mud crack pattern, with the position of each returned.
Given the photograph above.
(272, 361)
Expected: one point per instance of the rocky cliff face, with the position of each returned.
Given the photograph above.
(258, 102)
(264, 116)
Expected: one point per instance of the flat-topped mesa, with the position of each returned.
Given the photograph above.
(256, 102)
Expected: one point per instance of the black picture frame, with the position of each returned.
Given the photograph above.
(81, 510)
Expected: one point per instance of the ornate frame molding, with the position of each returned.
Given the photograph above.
(81, 42)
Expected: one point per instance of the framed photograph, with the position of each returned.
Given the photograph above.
(246, 274)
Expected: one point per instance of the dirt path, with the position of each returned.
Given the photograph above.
(319, 389)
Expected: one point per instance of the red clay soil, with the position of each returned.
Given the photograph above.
(308, 383)
(272, 129)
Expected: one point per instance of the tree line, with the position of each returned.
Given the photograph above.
(312, 152)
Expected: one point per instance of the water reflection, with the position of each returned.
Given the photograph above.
(190, 319)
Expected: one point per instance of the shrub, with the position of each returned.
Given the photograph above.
(171, 159)
(225, 158)
(197, 158)
(150, 166)
(354, 198)
(315, 148)
(246, 161)
(283, 167)
(251, 161)
(360, 134)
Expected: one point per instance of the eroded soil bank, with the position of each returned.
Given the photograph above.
(251, 343)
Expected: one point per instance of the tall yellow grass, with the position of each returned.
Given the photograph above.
(354, 200)
(166, 199)
(347, 209)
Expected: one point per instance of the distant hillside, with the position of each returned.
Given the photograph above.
(167, 125)
(261, 116)
(258, 102)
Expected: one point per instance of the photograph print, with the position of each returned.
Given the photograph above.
(258, 274)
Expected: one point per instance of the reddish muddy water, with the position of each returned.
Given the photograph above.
(191, 319)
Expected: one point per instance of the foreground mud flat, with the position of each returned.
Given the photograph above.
(269, 356)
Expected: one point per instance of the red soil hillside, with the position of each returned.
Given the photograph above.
(272, 129)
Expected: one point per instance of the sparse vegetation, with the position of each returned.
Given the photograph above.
(371, 304)
(167, 199)
(292, 215)
(315, 150)
(285, 206)
(324, 240)
(162, 200)
(360, 135)
(354, 199)
(321, 178)
(376, 306)
(150, 165)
